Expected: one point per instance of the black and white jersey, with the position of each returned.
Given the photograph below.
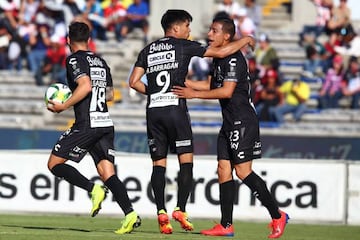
(238, 109)
(92, 111)
(165, 62)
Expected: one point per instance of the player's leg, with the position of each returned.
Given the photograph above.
(227, 194)
(181, 143)
(65, 149)
(242, 161)
(115, 185)
(103, 155)
(185, 184)
(258, 187)
(59, 168)
(158, 148)
(158, 183)
(226, 190)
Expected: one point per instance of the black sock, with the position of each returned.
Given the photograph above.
(119, 192)
(185, 183)
(227, 194)
(259, 189)
(158, 186)
(73, 176)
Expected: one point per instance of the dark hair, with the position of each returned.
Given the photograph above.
(79, 32)
(228, 25)
(173, 16)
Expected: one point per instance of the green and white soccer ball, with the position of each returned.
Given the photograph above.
(57, 92)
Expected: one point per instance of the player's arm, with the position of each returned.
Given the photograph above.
(80, 92)
(226, 91)
(198, 85)
(232, 47)
(135, 80)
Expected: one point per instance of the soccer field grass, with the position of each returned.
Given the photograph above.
(70, 227)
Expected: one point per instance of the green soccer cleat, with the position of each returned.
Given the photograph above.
(131, 221)
(98, 194)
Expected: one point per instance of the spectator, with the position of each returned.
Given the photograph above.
(351, 83)
(244, 25)
(137, 14)
(313, 64)
(10, 9)
(334, 41)
(21, 40)
(39, 41)
(330, 92)
(323, 14)
(295, 94)
(115, 14)
(72, 9)
(28, 10)
(266, 55)
(95, 14)
(4, 45)
(228, 7)
(56, 20)
(54, 63)
(350, 46)
(340, 18)
(254, 12)
(269, 96)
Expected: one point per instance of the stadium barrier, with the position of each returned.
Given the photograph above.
(310, 191)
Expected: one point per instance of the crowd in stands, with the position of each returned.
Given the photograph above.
(332, 49)
(34, 31)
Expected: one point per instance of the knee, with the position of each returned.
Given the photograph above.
(105, 170)
(224, 173)
(53, 161)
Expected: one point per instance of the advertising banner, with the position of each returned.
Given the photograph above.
(354, 194)
(307, 190)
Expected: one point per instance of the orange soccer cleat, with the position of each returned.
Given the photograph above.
(164, 222)
(182, 218)
(219, 230)
(277, 226)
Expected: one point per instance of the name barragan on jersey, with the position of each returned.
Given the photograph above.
(162, 67)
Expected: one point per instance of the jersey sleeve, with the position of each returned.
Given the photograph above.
(141, 60)
(76, 67)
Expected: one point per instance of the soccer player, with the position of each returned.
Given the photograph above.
(90, 80)
(238, 140)
(165, 62)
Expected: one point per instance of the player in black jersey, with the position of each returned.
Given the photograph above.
(91, 83)
(238, 139)
(165, 63)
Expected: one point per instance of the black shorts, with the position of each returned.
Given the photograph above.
(74, 143)
(168, 127)
(241, 144)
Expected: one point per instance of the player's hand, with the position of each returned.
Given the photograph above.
(252, 42)
(183, 92)
(55, 107)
